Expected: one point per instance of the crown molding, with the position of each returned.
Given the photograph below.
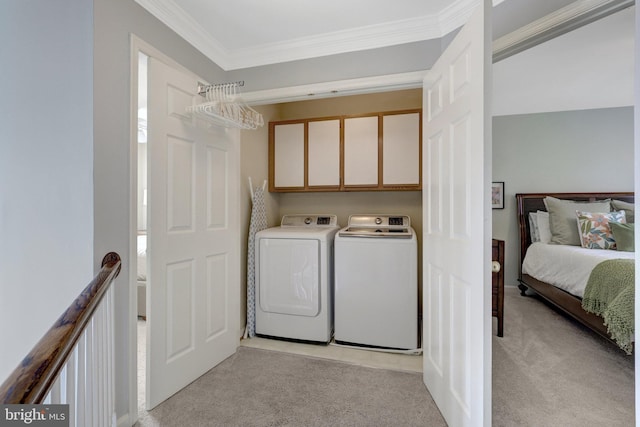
(457, 14)
(174, 17)
(357, 39)
(570, 17)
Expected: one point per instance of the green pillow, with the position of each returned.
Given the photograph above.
(563, 220)
(624, 236)
(628, 208)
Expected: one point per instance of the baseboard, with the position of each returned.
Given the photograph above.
(124, 421)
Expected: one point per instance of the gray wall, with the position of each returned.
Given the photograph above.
(416, 56)
(114, 21)
(574, 151)
(46, 167)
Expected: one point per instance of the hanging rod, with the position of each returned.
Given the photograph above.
(202, 87)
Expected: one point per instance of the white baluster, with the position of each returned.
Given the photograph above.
(70, 388)
(111, 353)
(87, 380)
(92, 363)
(55, 392)
(82, 380)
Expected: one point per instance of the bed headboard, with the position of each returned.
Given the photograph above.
(531, 202)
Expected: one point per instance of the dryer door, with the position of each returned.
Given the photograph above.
(288, 279)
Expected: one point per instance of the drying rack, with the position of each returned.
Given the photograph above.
(224, 107)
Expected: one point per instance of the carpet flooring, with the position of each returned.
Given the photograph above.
(547, 371)
(550, 371)
(257, 387)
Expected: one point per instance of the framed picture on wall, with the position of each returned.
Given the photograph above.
(497, 195)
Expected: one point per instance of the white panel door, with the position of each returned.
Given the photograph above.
(193, 245)
(457, 227)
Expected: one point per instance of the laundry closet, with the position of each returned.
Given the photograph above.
(401, 198)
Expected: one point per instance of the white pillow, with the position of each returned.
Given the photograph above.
(544, 229)
(533, 227)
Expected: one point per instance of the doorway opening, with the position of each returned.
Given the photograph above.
(141, 235)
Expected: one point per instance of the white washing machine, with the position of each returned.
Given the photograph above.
(376, 302)
(294, 278)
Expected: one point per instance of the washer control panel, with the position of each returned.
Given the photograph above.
(378, 226)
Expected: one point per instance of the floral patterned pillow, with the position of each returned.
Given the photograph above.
(595, 231)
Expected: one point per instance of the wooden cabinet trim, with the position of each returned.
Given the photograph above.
(342, 186)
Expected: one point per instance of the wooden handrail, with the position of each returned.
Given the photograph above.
(32, 379)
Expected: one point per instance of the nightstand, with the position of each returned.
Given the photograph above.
(497, 282)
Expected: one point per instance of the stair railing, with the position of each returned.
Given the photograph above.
(73, 363)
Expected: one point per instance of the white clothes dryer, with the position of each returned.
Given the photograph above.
(376, 302)
(294, 278)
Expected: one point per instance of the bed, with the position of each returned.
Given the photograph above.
(142, 275)
(564, 289)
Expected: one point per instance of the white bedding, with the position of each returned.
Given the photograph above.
(142, 257)
(567, 267)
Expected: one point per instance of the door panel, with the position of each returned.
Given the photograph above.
(401, 149)
(217, 296)
(456, 241)
(289, 155)
(179, 292)
(180, 185)
(193, 249)
(217, 172)
(361, 151)
(324, 153)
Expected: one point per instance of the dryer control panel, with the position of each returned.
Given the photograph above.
(309, 221)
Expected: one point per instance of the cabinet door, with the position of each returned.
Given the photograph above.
(324, 153)
(401, 149)
(361, 151)
(288, 155)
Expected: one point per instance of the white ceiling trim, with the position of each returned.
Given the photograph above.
(457, 14)
(174, 17)
(362, 38)
(363, 85)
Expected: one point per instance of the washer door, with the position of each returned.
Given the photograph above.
(289, 276)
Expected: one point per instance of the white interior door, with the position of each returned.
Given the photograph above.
(457, 227)
(193, 244)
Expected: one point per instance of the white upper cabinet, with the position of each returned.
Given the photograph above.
(324, 153)
(380, 151)
(288, 155)
(401, 149)
(361, 151)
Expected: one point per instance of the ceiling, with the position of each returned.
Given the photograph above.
(248, 33)
(591, 67)
(587, 68)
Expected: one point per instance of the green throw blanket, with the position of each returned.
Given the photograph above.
(610, 294)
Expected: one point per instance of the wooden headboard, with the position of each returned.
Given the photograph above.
(532, 202)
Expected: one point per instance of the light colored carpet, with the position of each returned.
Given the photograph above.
(547, 371)
(550, 371)
(258, 387)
